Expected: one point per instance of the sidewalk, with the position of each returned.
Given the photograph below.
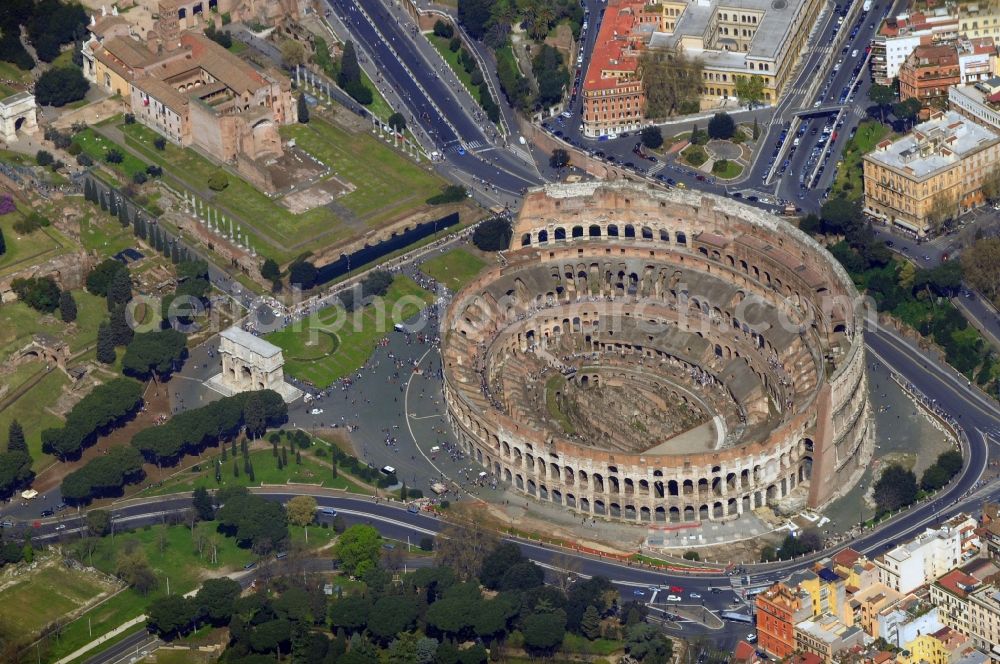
(82, 650)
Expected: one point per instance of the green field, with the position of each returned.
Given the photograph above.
(454, 268)
(731, 170)
(265, 468)
(388, 184)
(28, 412)
(379, 106)
(441, 44)
(850, 175)
(39, 597)
(25, 250)
(358, 334)
(96, 147)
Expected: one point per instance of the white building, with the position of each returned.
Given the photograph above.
(926, 557)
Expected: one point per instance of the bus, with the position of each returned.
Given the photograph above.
(736, 617)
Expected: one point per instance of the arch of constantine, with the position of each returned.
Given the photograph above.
(653, 356)
(250, 363)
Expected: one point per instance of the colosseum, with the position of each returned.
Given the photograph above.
(660, 356)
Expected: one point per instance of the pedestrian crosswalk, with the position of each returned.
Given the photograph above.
(472, 145)
(657, 168)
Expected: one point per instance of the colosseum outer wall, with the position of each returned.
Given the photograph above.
(826, 443)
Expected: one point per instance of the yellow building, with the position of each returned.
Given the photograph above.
(930, 175)
(925, 649)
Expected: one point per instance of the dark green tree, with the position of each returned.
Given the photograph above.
(544, 631)
(590, 625)
(302, 109)
(60, 86)
(652, 137)
(15, 437)
(721, 126)
(119, 289)
(67, 307)
(202, 503)
(105, 344)
(896, 488)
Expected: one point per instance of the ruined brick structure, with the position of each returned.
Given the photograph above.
(656, 356)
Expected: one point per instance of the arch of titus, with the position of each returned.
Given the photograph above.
(250, 363)
(17, 113)
(660, 356)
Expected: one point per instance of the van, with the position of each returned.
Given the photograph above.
(388, 470)
(854, 53)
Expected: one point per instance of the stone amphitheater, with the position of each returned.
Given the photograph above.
(660, 356)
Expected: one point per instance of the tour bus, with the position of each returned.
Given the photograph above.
(736, 617)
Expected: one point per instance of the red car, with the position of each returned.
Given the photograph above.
(676, 589)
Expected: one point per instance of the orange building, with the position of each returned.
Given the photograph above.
(928, 72)
(613, 97)
(779, 608)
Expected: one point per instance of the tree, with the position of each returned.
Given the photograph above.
(591, 623)
(293, 53)
(943, 208)
(132, 567)
(750, 90)
(502, 558)
(691, 555)
(99, 278)
(391, 615)
(60, 86)
(522, 576)
(721, 126)
(98, 523)
(302, 108)
(350, 613)
(270, 271)
(202, 503)
(350, 70)
(881, 96)
(443, 29)
(119, 289)
(218, 180)
(216, 599)
(493, 234)
(559, 158)
(15, 437)
(44, 158)
(252, 520)
(303, 274)
(159, 353)
(907, 110)
(896, 488)
(397, 122)
(105, 344)
(171, 616)
(465, 548)
(39, 293)
(544, 632)
(121, 331)
(670, 81)
(160, 143)
(301, 510)
(981, 265)
(647, 644)
(652, 137)
(358, 548)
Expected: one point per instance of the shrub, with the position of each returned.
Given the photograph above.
(139, 178)
(43, 158)
(114, 156)
(695, 155)
(443, 29)
(160, 143)
(218, 181)
(84, 160)
(454, 44)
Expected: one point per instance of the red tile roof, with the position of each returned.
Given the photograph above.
(956, 581)
(613, 42)
(744, 652)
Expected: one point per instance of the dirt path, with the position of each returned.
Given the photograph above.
(156, 404)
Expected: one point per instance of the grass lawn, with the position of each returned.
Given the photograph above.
(101, 233)
(455, 268)
(34, 418)
(23, 250)
(379, 106)
(580, 644)
(265, 468)
(387, 183)
(441, 44)
(358, 335)
(39, 597)
(556, 384)
(237, 47)
(850, 175)
(13, 73)
(96, 147)
(731, 170)
(694, 155)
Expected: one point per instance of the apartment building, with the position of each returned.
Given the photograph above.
(779, 609)
(898, 37)
(827, 637)
(613, 97)
(970, 607)
(867, 605)
(915, 183)
(928, 72)
(731, 39)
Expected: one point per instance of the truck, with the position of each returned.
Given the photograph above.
(867, 6)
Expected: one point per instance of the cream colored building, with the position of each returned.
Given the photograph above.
(970, 607)
(931, 174)
(738, 39)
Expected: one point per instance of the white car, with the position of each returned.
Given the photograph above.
(694, 595)
(61, 526)
(752, 637)
(673, 598)
(316, 411)
(612, 136)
